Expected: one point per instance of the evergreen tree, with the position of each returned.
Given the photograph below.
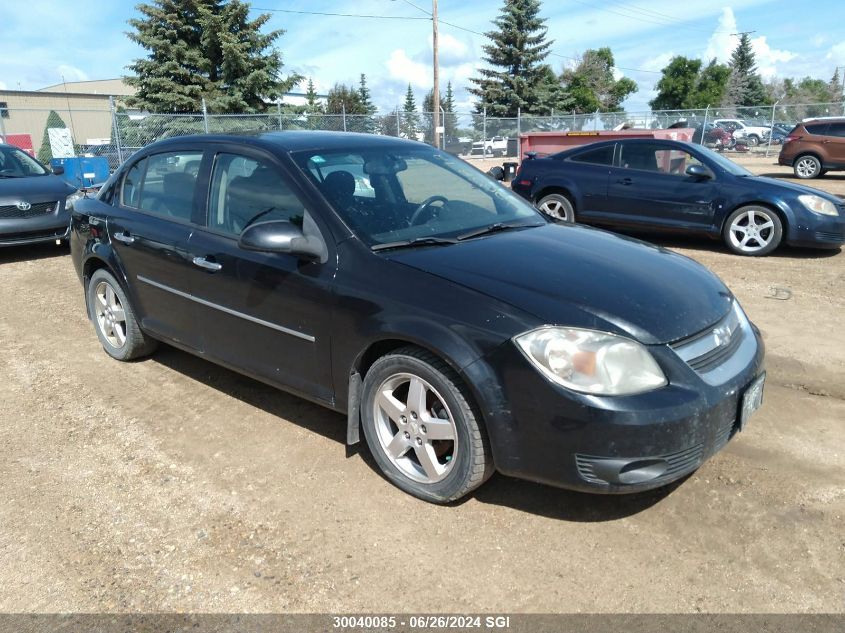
(311, 100)
(366, 123)
(515, 54)
(410, 124)
(342, 99)
(744, 88)
(45, 153)
(451, 119)
(835, 87)
(592, 86)
(204, 49)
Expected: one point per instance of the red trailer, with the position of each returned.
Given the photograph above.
(545, 143)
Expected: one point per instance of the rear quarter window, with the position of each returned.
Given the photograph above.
(819, 129)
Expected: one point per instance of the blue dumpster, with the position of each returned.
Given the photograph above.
(83, 171)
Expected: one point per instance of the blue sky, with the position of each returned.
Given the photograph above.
(42, 41)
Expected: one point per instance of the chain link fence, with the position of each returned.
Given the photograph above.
(116, 134)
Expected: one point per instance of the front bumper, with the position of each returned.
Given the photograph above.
(542, 432)
(19, 231)
(818, 231)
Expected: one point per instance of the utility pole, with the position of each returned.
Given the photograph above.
(436, 92)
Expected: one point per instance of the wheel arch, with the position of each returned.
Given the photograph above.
(783, 216)
(559, 188)
(380, 347)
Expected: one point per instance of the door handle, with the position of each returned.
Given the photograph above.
(202, 262)
(124, 237)
(625, 181)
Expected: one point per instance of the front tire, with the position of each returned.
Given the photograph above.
(753, 140)
(558, 207)
(807, 167)
(422, 430)
(114, 319)
(753, 231)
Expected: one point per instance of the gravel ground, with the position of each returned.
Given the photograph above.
(170, 484)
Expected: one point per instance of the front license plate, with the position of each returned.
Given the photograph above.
(751, 400)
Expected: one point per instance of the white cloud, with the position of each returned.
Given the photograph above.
(400, 66)
(658, 62)
(71, 73)
(3, 85)
(768, 58)
(837, 52)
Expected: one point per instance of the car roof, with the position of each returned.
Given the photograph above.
(299, 140)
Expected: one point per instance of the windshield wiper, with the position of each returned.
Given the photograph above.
(9, 176)
(417, 241)
(495, 228)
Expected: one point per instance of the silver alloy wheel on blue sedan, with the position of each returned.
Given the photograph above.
(415, 428)
(753, 230)
(111, 317)
(421, 426)
(557, 206)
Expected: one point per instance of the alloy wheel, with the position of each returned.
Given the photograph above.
(751, 231)
(415, 428)
(806, 167)
(111, 317)
(556, 209)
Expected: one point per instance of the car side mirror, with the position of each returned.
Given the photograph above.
(496, 173)
(58, 170)
(700, 171)
(279, 236)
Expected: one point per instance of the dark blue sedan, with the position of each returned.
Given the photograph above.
(661, 184)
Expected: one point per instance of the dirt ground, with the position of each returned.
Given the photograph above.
(170, 484)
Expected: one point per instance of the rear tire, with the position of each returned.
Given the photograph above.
(558, 207)
(422, 430)
(807, 167)
(114, 319)
(753, 231)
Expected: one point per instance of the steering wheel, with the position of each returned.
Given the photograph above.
(415, 216)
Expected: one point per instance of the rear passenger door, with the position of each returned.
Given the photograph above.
(267, 314)
(154, 215)
(835, 143)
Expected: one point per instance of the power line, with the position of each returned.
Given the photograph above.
(645, 19)
(440, 20)
(344, 15)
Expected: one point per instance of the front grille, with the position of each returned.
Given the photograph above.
(708, 349)
(679, 463)
(38, 208)
(829, 236)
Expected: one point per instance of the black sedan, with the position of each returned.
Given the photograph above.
(34, 203)
(662, 184)
(459, 328)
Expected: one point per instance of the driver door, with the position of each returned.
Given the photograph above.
(267, 314)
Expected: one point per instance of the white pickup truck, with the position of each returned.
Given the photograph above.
(752, 134)
(496, 146)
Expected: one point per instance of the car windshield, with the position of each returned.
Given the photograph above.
(15, 163)
(413, 194)
(725, 163)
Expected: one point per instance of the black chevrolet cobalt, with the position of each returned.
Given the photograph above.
(459, 329)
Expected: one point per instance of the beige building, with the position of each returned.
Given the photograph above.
(83, 106)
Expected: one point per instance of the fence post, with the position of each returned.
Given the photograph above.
(704, 125)
(3, 125)
(116, 130)
(483, 128)
(518, 121)
(343, 113)
(204, 115)
(398, 125)
(279, 112)
(771, 127)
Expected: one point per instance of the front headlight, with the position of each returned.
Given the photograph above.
(591, 362)
(817, 204)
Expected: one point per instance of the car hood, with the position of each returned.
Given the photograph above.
(797, 188)
(582, 277)
(33, 189)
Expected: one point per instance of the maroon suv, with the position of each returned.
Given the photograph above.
(815, 147)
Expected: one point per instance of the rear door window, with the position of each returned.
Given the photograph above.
(163, 184)
(597, 156)
(836, 129)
